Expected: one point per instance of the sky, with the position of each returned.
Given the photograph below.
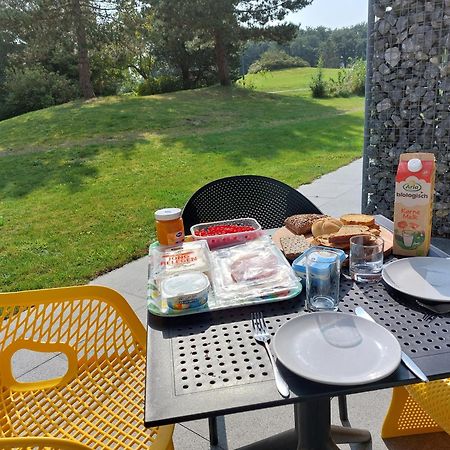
(331, 13)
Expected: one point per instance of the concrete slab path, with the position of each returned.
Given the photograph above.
(335, 193)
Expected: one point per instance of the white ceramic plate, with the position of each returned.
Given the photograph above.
(423, 277)
(337, 348)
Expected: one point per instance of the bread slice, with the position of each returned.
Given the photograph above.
(346, 232)
(301, 223)
(358, 219)
(294, 246)
(325, 242)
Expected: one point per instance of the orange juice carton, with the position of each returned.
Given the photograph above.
(413, 206)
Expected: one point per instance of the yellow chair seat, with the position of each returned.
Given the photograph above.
(418, 409)
(98, 403)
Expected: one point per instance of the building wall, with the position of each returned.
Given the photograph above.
(408, 99)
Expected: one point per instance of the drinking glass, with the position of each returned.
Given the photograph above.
(366, 258)
(323, 269)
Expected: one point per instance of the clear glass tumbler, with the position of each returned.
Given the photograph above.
(323, 270)
(366, 258)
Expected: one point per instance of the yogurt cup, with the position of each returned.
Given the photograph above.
(185, 290)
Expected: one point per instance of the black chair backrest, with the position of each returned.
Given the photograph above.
(267, 200)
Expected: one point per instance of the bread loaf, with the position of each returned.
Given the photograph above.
(301, 223)
(326, 225)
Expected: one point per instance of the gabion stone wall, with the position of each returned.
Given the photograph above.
(408, 99)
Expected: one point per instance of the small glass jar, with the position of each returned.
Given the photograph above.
(169, 226)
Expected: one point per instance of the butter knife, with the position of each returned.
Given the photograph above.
(407, 361)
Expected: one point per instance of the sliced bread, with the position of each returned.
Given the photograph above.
(294, 246)
(358, 219)
(324, 240)
(346, 232)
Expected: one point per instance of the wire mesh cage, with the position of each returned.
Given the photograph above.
(407, 101)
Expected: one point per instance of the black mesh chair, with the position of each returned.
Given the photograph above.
(267, 200)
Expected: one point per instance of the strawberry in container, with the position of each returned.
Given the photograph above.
(227, 232)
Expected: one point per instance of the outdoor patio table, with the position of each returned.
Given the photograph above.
(209, 364)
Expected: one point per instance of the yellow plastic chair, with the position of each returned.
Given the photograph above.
(98, 402)
(418, 409)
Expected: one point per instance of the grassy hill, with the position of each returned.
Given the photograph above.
(79, 183)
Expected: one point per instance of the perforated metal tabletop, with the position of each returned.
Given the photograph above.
(209, 364)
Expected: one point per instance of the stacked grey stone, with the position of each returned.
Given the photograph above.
(408, 99)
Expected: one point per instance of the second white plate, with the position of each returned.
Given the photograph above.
(337, 348)
(423, 277)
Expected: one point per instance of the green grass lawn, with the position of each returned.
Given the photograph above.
(287, 81)
(79, 183)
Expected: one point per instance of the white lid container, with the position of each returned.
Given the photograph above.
(185, 290)
(167, 214)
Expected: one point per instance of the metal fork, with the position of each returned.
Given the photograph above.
(261, 334)
(429, 317)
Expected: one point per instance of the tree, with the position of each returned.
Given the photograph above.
(223, 24)
(45, 27)
(182, 45)
(336, 46)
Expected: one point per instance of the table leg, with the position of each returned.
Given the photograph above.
(313, 431)
(213, 435)
(343, 413)
(313, 419)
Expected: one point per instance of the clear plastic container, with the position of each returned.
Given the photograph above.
(224, 240)
(165, 262)
(299, 264)
(251, 272)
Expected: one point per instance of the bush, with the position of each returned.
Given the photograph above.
(34, 88)
(159, 85)
(350, 81)
(275, 60)
(318, 85)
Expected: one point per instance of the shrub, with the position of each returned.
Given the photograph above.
(275, 60)
(349, 81)
(34, 88)
(318, 85)
(358, 76)
(159, 85)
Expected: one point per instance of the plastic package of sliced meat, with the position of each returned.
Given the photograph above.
(254, 270)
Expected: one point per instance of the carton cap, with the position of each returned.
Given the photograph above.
(415, 165)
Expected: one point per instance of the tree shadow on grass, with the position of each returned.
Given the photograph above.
(242, 126)
(69, 168)
(303, 140)
(188, 111)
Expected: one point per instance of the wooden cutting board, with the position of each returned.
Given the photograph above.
(384, 233)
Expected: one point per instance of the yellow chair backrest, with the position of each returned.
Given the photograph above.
(98, 402)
